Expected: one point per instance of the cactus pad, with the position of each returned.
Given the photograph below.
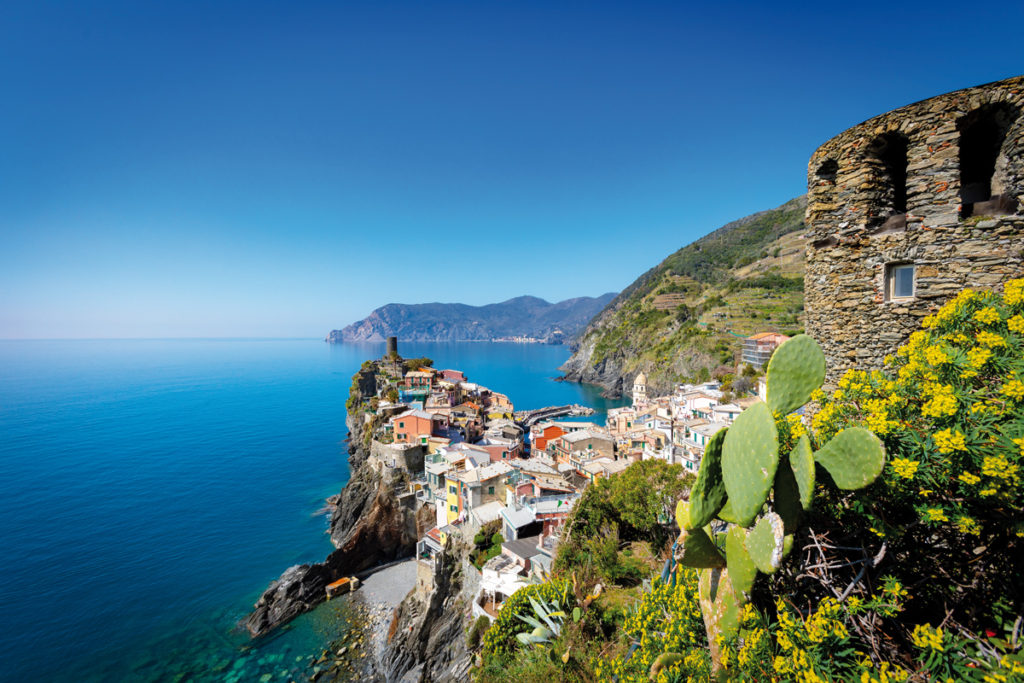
(726, 513)
(708, 493)
(801, 460)
(664, 660)
(854, 457)
(742, 570)
(786, 496)
(719, 603)
(795, 370)
(696, 549)
(750, 456)
(683, 515)
(765, 543)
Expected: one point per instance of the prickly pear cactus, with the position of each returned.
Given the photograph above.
(854, 457)
(765, 542)
(750, 455)
(796, 369)
(786, 496)
(759, 493)
(742, 570)
(698, 550)
(708, 493)
(801, 461)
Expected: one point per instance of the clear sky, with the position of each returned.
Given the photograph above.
(281, 169)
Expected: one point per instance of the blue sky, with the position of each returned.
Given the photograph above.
(280, 169)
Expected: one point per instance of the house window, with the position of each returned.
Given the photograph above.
(453, 508)
(899, 281)
(401, 425)
(452, 489)
(490, 489)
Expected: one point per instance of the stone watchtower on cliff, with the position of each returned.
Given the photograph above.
(906, 209)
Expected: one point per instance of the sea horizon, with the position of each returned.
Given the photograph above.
(154, 487)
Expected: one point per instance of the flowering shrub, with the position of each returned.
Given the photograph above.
(950, 410)
(812, 648)
(666, 619)
(500, 639)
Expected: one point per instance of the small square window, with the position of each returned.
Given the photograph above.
(899, 282)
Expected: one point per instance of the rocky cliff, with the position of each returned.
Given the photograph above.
(428, 641)
(686, 316)
(524, 316)
(369, 526)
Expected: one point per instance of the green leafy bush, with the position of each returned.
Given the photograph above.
(499, 642)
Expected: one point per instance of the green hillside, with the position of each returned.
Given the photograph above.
(684, 317)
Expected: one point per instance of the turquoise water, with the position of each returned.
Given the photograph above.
(150, 489)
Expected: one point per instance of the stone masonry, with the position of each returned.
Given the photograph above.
(937, 186)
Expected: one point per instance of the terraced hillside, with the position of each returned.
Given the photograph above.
(685, 317)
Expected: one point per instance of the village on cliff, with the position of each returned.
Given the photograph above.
(464, 451)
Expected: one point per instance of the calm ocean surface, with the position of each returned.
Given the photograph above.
(150, 489)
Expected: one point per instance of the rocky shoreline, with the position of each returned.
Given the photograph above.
(392, 626)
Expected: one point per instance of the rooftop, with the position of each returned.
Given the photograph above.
(523, 547)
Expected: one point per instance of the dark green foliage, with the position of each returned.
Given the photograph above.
(476, 631)
(411, 364)
(635, 505)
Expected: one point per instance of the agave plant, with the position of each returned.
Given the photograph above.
(547, 624)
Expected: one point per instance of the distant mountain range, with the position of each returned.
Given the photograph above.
(524, 317)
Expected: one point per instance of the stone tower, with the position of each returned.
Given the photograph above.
(640, 389)
(906, 209)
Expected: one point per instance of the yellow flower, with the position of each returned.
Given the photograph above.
(968, 478)
(796, 426)
(1016, 324)
(986, 316)
(924, 636)
(935, 356)
(968, 525)
(998, 467)
(942, 403)
(936, 515)
(987, 338)
(905, 467)
(949, 440)
(1014, 389)
(978, 356)
(1013, 292)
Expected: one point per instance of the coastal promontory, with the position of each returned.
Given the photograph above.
(524, 318)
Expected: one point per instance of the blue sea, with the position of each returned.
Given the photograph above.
(151, 489)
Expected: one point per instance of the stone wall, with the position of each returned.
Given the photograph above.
(939, 185)
(408, 457)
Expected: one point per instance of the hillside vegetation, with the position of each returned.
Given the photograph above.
(684, 317)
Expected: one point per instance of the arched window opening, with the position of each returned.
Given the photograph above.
(983, 188)
(828, 170)
(887, 158)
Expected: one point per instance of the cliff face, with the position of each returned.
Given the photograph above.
(369, 526)
(684, 317)
(524, 316)
(429, 642)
